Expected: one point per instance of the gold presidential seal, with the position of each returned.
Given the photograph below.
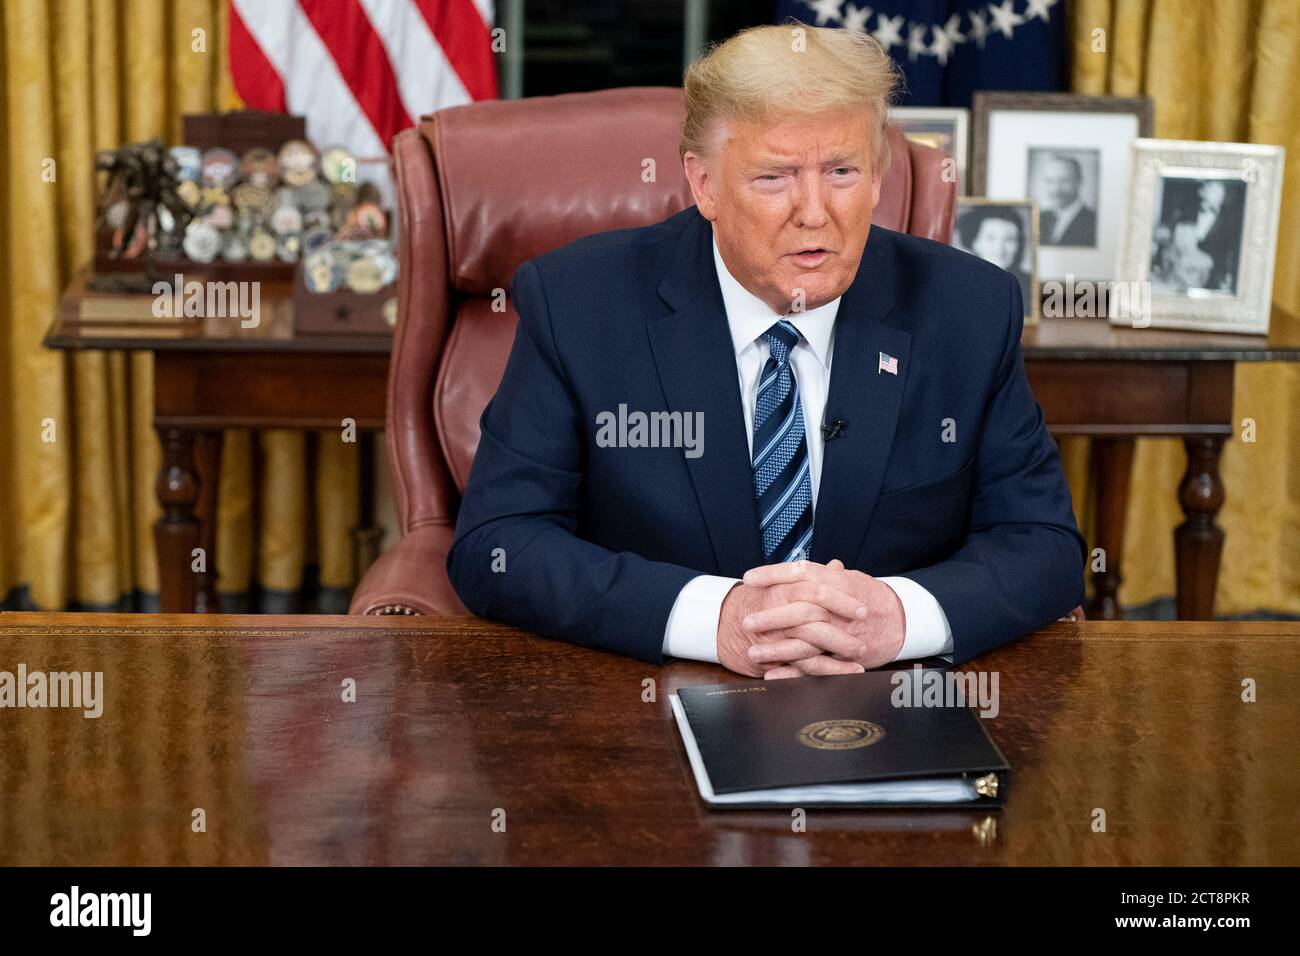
(840, 734)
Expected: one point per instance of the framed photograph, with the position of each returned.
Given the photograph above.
(1201, 237)
(942, 127)
(1069, 153)
(1005, 234)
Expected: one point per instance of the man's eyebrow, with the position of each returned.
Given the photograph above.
(847, 158)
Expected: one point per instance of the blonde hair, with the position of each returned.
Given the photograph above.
(772, 72)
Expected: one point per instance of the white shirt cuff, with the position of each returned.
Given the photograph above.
(926, 632)
(692, 630)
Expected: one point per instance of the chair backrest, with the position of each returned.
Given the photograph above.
(485, 187)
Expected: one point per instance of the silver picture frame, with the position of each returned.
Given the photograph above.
(1177, 281)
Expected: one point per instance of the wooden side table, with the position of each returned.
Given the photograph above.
(1115, 385)
(220, 376)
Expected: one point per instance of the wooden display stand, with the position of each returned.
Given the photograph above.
(342, 312)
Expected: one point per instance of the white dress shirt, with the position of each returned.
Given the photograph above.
(692, 627)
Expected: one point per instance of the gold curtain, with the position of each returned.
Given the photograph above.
(1225, 70)
(77, 512)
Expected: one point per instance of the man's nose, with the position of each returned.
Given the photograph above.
(810, 202)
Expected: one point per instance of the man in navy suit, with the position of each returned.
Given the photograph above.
(670, 467)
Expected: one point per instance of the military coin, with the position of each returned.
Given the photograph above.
(189, 193)
(189, 162)
(219, 217)
(285, 220)
(298, 162)
(313, 197)
(315, 238)
(287, 248)
(261, 245)
(371, 218)
(338, 165)
(220, 168)
(260, 167)
(321, 272)
(251, 198)
(202, 242)
(234, 248)
(364, 275)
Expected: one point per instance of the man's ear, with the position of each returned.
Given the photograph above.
(697, 174)
(875, 191)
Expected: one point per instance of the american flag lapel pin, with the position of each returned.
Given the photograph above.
(887, 364)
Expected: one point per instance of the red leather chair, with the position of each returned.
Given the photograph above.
(481, 189)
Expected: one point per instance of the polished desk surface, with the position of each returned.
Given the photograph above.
(456, 718)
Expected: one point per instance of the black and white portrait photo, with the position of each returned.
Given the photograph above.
(1002, 233)
(1196, 243)
(1064, 182)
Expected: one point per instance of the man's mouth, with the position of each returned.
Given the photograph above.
(810, 258)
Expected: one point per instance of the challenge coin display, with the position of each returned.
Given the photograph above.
(267, 206)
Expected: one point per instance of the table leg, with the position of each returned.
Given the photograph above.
(1112, 462)
(176, 533)
(1198, 541)
(208, 455)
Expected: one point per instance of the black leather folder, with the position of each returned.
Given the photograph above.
(844, 741)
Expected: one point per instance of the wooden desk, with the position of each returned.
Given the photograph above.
(456, 719)
(1112, 385)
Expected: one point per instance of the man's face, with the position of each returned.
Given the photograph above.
(790, 204)
(1060, 184)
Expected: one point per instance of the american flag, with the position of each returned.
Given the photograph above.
(361, 71)
(887, 364)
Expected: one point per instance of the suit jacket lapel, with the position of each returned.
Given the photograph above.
(696, 363)
(867, 399)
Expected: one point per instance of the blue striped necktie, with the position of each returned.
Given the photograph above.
(782, 481)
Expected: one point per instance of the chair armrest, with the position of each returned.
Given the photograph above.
(410, 577)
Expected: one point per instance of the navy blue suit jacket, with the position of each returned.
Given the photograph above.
(944, 472)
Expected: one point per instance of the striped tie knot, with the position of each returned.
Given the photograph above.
(781, 338)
